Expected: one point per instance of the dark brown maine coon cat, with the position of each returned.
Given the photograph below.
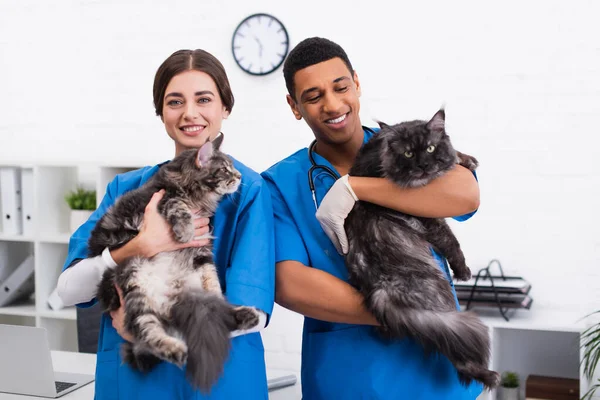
(390, 259)
(174, 306)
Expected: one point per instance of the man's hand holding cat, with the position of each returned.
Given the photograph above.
(156, 234)
(333, 210)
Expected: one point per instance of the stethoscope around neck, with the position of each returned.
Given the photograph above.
(314, 166)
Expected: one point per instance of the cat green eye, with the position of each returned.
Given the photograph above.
(431, 149)
(408, 154)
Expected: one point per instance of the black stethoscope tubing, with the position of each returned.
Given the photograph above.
(314, 166)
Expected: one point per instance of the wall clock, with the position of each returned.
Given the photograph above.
(260, 43)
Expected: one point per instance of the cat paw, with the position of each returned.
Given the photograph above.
(140, 361)
(246, 317)
(174, 351)
(183, 233)
(463, 274)
(467, 161)
(147, 362)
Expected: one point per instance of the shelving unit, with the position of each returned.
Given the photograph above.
(49, 245)
(536, 342)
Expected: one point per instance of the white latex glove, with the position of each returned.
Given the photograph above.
(334, 209)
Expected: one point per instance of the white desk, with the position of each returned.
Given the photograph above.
(86, 364)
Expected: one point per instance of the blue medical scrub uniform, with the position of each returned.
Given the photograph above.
(342, 361)
(244, 255)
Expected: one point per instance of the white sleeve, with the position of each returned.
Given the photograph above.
(262, 321)
(79, 283)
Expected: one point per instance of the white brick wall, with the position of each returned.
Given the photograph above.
(521, 83)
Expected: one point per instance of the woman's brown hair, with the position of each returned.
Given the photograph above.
(188, 60)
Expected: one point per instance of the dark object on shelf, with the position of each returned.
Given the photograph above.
(487, 290)
(488, 300)
(88, 328)
(551, 388)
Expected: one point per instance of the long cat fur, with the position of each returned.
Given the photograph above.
(174, 306)
(390, 259)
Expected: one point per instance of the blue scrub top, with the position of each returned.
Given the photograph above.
(344, 361)
(244, 255)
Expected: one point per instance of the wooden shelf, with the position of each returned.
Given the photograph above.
(24, 309)
(15, 238)
(60, 238)
(68, 313)
(538, 341)
(28, 309)
(536, 319)
(47, 239)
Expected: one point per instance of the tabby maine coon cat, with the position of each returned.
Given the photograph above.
(390, 260)
(174, 305)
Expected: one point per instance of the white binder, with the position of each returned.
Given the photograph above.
(19, 285)
(27, 201)
(1, 212)
(10, 196)
(4, 261)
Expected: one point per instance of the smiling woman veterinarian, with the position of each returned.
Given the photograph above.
(192, 96)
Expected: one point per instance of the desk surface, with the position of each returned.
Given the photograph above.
(537, 318)
(64, 361)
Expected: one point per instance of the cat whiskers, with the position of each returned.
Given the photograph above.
(231, 196)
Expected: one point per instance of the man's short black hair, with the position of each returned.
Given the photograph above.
(309, 52)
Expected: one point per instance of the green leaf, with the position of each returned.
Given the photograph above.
(510, 379)
(590, 343)
(81, 199)
(591, 392)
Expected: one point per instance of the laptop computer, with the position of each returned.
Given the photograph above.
(26, 365)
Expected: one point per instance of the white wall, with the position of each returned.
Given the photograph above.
(521, 83)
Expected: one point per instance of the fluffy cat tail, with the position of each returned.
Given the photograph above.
(460, 336)
(205, 320)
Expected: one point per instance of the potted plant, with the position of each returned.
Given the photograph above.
(82, 203)
(590, 342)
(510, 386)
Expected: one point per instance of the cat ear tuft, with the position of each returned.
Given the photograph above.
(382, 124)
(218, 140)
(204, 154)
(438, 122)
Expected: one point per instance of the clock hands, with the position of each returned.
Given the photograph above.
(260, 46)
(272, 43)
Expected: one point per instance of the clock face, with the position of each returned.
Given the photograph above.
(260, 44)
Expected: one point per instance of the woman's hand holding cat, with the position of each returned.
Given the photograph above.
(333, 210)
(156, 234)
(118, 318)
